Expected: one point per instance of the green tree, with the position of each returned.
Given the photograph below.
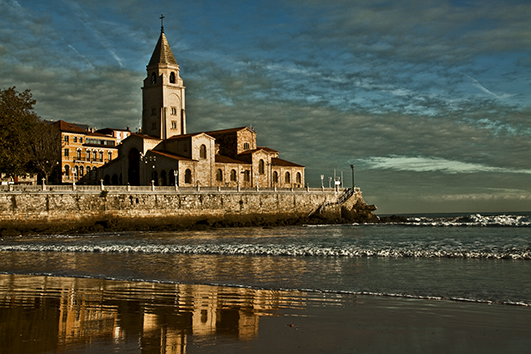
(17, 121)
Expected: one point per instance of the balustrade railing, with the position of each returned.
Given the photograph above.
(21, 188)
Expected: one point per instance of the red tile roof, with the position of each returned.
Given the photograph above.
(170, 155)
(280, 162)
(226, 159)
(68, 127)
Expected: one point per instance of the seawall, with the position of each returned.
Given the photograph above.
(68, 208)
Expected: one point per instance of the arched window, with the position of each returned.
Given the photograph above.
(80, 171)
(246, 146)
(153, 78)
(275, 177)
(247, 176)
(299, 177)
(233, 175)
(261, 166)
(107, 180)
(287, 177)
(75, 171)
(78, 154)
(114, 179)
(172, 78)
(88, 170)
(67, 170)
(219, 175)
(188, 176)
(202, 152)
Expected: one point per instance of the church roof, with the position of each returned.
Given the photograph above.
(224, 131)
(226, 159)
(162, 53)
(280, 162)
(258, 148)
(143, 136)
(170, 155)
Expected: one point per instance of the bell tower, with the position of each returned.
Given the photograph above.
(163, 112)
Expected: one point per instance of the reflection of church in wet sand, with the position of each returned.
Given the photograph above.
(69, 313)
(164, 151)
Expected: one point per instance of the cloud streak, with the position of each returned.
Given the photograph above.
(427, 164)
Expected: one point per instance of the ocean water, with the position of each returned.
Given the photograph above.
(470, 259)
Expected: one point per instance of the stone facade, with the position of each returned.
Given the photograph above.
(164, 154)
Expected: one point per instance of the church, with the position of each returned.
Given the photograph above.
(164, 154)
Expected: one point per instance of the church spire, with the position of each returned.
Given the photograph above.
(162, 53)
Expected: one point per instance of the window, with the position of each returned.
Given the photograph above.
(219, 175)
(261, 167)
(275, 177)
(67, 170)
(299, 177)
(78, 154)
(80, 140)
(172, 78)
(66, 138)
(67, 152)
(246, 176)
(202, 152)
(153, 78)
(94, 155)
(173, 111)
(88, 155)
(88, 170)
(287, 177)
(109, 154)
(188, 176)
(75, 139)
(173, 124)
(246, 146)
(80, 171)
(101, 155)
(233, 175)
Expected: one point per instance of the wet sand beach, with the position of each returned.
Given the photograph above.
(41, 314)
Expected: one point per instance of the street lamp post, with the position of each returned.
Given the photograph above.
(353, 180)
(322, 181)
(329, 182)
(176, 175)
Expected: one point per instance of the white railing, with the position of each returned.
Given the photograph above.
(73, 188)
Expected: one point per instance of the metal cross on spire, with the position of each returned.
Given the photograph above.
(161, 22)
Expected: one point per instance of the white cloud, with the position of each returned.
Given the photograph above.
(430, 164)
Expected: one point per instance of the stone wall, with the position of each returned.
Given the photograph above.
(35, 210)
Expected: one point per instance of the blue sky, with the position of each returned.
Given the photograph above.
(430, 100)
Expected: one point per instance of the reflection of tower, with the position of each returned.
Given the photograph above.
(163, 112)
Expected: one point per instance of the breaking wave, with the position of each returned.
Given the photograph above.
(471, 220)
(285, 250)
